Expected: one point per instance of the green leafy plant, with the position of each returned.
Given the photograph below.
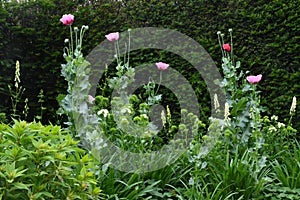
(285, 175)
(44, 162)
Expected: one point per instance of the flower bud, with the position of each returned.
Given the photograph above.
(226, 47)
(216, 102)
(293, 106)
(226, 111)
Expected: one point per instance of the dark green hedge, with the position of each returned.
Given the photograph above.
(266, 38)
(33, 34)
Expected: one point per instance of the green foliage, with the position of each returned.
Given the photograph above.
(44, 162)
(265, 167)
(267, 41)
(225, 176)
(285, 174)
(241, 166)
(287, 167)
(159, 184)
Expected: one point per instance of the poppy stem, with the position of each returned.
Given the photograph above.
(231, 52)
(160, 78)
(71, 47)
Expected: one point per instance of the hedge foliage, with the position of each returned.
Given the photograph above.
(266, 41)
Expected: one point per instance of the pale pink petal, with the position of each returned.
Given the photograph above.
(91, 99)
(67, 19)
(254, 79)
(112, 36)
(161, 66)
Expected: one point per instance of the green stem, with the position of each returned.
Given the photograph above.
(82, 31)
(160, 78)
(128, 47)
(118, 51)
(255, 100)
(220, 43)
(71, 35)
(125, 56)
(76, 39)
(231, 52)
(290, 120)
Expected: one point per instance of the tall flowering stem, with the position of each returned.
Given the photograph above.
(231, 43)
(16, 94)
(241, 94)
(255, 109)
(293, 109)
(75, 68)
(161, 66)
(231, 78)
(71, 47)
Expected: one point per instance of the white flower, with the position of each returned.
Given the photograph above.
(226, 111)
(163, 117)
(144, 116)
(280, 125)
(191, 181)
(104, 112)
(274, 117)
(216, 102)
(125, 110)
(272, 129)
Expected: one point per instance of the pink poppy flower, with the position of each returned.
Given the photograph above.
(161, 66)
(254, 79)
(91, 99)
(112, 36)
(226, 47)
(67, 19)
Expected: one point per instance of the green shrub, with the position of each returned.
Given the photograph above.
(44, 162)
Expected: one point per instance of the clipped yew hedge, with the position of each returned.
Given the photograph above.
(33, 34)
(266, 41)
